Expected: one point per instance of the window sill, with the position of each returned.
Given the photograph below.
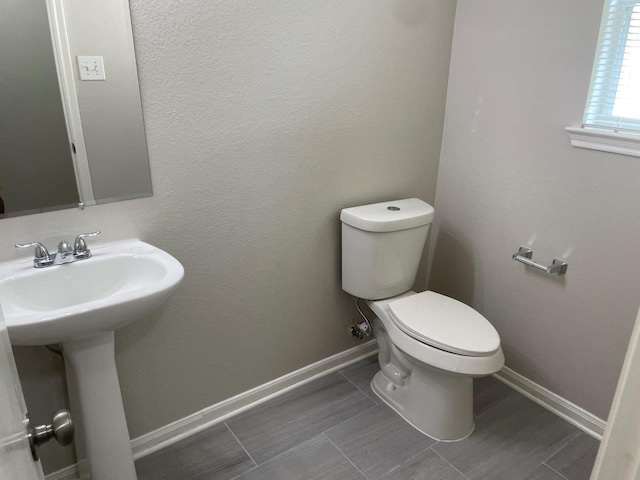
(605, 141)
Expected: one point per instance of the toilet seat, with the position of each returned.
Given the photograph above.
(429, 355)
(445, 323)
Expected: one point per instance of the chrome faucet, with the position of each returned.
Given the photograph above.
(65, 254)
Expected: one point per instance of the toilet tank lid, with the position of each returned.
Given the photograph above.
(389, 216)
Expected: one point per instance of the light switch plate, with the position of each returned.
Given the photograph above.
(91, 68)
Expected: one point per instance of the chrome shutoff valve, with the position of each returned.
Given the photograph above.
(360, 329)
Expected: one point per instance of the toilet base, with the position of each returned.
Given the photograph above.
(438, 404)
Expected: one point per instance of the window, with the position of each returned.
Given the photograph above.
(614, 96)
(612, 114)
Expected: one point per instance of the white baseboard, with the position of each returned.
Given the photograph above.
(575, 415)
(205, 418)
(67, 473)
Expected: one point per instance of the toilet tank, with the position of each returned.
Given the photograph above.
(382, 244)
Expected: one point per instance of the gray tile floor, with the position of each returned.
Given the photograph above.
(336, 428)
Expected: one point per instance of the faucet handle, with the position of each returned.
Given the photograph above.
(42, 257)
(80, 249)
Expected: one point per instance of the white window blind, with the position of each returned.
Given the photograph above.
(614, 95)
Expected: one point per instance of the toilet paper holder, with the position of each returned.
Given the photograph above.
(524, 255)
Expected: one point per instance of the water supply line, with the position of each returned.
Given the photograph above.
(53, 350)
(363, 327)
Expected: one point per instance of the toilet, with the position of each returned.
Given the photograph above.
(430, 345)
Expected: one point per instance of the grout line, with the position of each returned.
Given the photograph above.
(448, 462)
(324, 405)
(319, 407)
(357, 387)
(363, 412)
(347, 458)
(561, 448)
(243, 447)
(555, 471)
(240, 475)
(409, 459)
(281, 454)
(331, 404)
(361, 390)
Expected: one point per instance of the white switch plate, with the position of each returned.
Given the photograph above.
(91, 68)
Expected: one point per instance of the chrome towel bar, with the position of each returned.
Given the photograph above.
(524, 255)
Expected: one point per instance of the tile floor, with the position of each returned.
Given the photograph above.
(336, 428)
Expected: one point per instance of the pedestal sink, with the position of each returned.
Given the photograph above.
(80, 305)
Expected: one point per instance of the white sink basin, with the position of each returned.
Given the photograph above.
(80, 305)
(121, 282)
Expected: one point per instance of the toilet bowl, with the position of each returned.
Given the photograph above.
(430, 386)
(430, 346)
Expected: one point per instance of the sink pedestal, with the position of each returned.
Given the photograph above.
(102, 439)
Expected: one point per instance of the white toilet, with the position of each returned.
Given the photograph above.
(430, 346)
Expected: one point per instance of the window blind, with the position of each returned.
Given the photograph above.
(614, 95)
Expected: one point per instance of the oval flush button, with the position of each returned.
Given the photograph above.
(393, 209)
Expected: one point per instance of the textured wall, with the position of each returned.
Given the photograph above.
(263, 120)
(508, 176)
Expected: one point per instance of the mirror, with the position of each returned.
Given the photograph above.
(66, 141)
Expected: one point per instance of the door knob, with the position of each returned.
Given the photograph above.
(61, 428)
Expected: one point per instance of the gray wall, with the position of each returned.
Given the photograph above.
(508, 176)
(263, 120)
(36, 169)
